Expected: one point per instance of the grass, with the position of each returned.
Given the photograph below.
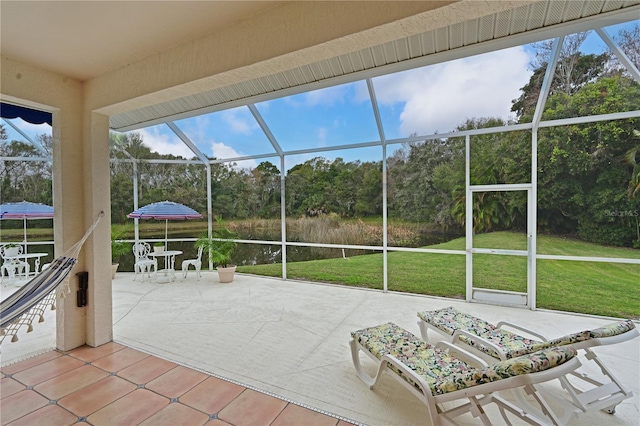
(608, 289)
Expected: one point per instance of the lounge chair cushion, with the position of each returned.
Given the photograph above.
(531, 363)
(614, 329)
(449, 320)
(426, 360)
(443, 372)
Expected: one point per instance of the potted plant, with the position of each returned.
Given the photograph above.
(158, 247)
(118, 247)
(220, 248)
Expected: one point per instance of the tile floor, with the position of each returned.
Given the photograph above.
(117, 385)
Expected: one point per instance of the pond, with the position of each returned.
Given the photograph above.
(317, 231)
(258, 254)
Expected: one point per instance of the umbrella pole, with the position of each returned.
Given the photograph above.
(166, 241)
(25, 233)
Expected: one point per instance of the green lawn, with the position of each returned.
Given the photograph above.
(585, 287)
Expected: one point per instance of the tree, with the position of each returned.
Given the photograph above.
(629, 42)
(582, 185)
(25, 180)
(576, 71)
(632, 158)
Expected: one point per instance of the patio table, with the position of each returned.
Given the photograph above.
(169, 262)
(26, 256)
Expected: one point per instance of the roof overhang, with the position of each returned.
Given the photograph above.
(528, 23)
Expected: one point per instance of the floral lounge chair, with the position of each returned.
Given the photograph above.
(436, 377)
(495, 342)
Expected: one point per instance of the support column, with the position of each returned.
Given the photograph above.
(97, 179)
(81, 167)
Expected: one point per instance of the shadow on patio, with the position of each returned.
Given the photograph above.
(290, 339)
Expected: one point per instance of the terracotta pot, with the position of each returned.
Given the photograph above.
(226, 274)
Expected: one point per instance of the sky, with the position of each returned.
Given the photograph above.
(428, 100)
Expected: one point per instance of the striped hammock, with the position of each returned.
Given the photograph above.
(31, 300)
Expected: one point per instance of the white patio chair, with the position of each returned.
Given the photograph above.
(13, 266)
(144, 263)
(196, 263)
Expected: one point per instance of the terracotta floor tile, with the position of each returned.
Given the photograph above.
(176, 381)
(211, 395)
(131, 409)
(20, 404)
(120, 359)
(343, 423)
(294, 415)
(217, 422)
(176, 414)
(108, 392)
(96, 396)
(49, 415)
(252, 408)
(9, 386)
(31, 362)
(89, 354)
(64, 384)
(146, 370)
(47, 370)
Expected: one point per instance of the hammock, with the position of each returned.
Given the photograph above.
(30, 301)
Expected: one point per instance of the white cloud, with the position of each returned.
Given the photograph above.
(33, 131)
(440, 97)
(322, 136)
(223, 151)
(239, 122)
(327, 97)
(163, 143)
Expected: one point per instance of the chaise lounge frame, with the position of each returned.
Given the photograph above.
(477, 384)
(589, 394)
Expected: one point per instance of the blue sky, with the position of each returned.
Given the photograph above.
(426, 100)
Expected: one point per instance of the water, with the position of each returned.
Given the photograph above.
(260, 254)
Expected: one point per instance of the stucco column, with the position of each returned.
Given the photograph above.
(81, 167)
(99, 321)
(68, 223)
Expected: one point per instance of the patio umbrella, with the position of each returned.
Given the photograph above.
(25, 210)
(165, 210)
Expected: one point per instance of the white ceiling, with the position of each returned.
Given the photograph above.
(84, 39)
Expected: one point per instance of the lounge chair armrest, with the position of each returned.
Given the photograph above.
(414, 379)
(521, 328)
(462, 355)
(474, 337)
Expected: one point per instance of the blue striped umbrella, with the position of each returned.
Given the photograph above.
(165, 210)
(25, 210)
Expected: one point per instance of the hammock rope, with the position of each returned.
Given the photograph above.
(30, 300)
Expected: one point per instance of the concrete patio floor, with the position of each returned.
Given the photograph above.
(291, 339)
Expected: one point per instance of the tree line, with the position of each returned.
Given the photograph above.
(588, 175)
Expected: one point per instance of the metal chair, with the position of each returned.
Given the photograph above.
(196, 263)
(12, 265)
(143, 263)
